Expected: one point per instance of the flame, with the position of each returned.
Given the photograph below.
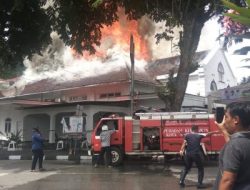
(118, 36)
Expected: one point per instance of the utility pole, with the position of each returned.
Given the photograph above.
(132, 59)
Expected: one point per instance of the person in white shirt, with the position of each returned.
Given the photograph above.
(105, 137)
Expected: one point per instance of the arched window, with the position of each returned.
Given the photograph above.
(221, 72)
(213, 86)
(7, 125)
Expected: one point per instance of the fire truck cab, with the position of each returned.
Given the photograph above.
(156, 134)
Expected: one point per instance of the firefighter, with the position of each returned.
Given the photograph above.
(193, 153)
(105, 138)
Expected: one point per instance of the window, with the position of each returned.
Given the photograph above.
(112, 124)
(221, 72)
(213, 86)
(103, 96)
(110, 95)
(7, 125)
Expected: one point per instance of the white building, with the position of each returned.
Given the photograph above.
(214, 73)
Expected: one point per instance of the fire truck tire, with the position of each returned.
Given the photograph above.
(117, 156)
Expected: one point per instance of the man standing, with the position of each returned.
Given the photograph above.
(37, 149)
(105, 137)
(193, 153)
(234, 159)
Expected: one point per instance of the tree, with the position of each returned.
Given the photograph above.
(245, 80)
(239, 14)
(236, 22)
(190, 15)
(79, 22)
(17, 136)
(25, 29)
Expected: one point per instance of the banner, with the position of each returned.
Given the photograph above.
(73, 124)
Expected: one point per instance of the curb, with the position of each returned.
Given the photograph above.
(58, 157)
(14, 157)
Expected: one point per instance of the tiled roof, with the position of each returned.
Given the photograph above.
(158, 67)
(163, 66)
(46, 85)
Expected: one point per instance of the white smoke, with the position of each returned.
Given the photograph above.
(58, 62)
(70, 68)
(209, 34)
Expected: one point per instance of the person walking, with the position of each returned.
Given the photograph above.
(193, 153)
(37, 149)
(105, 137)
(234, 159)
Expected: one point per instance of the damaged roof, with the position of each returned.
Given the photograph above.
(163, 66)
(118, 76)
(153, 69)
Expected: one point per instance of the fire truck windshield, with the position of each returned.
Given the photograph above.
(112, 124)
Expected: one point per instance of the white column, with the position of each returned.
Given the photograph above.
(52, 129)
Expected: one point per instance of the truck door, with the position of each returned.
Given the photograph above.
(116, 137)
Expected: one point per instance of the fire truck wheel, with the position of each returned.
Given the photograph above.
(117, 156)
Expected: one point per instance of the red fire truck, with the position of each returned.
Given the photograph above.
(156, 134)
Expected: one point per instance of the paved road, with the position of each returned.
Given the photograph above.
(65, 175)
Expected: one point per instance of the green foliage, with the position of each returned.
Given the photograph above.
(97, 3)
(243, 15)
(17, 136)
(79, 23)
(10, 70)
(24, 29)
(245, 80)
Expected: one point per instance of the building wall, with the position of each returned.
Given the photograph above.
(193, 102)
(196, 84)
(97, 92)
(9, 111)
(211, 73)
(200, 80)
(41, 118)
(48, 119)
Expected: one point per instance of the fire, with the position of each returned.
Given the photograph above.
(118, 36)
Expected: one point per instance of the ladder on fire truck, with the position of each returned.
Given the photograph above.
(136, 134)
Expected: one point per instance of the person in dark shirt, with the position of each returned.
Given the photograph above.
(37, 149)
(193, 153)
(234, 159)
